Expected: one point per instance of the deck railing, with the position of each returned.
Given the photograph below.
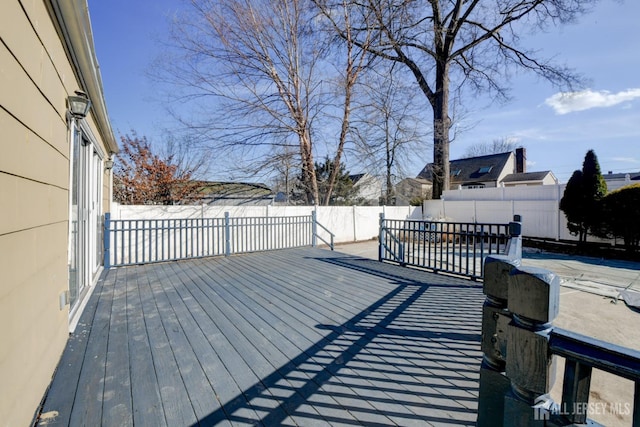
(520, 342)
(451, 247)
(142, 241)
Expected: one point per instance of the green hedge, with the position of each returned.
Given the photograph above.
(620, 215)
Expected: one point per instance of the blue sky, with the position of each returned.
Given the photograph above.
(556, 129)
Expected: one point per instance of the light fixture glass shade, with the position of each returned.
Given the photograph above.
(108, 165)
(79, 105)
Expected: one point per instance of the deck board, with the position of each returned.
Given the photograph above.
(295, 337)
(145, 389)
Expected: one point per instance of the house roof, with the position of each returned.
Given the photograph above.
(216, 189)
(415, 181)
(356, 177)
(472, 169)
(633, 176)
(529, 176)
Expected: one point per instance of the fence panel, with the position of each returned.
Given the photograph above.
(255, 234)
(347, 223)
(142, 241)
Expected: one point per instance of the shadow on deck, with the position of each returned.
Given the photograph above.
(295, 337)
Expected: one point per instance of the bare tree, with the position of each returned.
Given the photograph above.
(499, 145)
(458, 44)
(285, 167)
(389, 125)
(355, 61)
(250, 68)
(270, 80)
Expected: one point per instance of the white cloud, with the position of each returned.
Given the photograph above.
(625, 159)
(568, 102)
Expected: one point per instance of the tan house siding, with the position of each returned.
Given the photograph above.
(36, 76)
(509, 168)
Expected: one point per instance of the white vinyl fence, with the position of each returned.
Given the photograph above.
(539, 207)
(347, 223)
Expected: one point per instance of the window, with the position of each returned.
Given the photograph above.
(456, 172)
(485, 169)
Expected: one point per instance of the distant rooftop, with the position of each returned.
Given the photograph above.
(529, 176)
(481, 168)
(633, 176)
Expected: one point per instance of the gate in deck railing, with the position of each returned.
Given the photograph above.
(142, 241)
(451, 247)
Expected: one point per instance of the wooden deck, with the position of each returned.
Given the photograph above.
(296, 337)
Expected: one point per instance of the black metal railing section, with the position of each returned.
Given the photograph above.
(582, 354)
(440, 246)
(142, 241)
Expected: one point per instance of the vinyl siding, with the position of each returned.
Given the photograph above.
(35, 79)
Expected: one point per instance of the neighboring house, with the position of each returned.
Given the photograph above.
(236, 194)
(55, 184)
(412, 188)
(367, 188)
(530, 178)
(619, 180)
(509, 169)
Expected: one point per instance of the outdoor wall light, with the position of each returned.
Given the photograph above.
(79, 104)
(108, 165)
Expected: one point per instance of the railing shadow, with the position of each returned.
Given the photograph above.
(410, 358)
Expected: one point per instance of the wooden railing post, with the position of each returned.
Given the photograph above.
(534, 297)
(494, 384)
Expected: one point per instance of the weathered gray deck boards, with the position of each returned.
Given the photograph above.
(295, 337)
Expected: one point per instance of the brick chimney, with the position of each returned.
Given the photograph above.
(521, 160)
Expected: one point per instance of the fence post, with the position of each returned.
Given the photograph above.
(314, 229)
(514, 249)
(107, 241)
(534, 299)
(381, 238)
(227, 234)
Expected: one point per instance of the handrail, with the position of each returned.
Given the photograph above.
(617, 360)
(330, 244)
(582, 354)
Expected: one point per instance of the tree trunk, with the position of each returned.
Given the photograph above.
(333, 176)
(389, 165)
(440, 174)
(308, 169)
